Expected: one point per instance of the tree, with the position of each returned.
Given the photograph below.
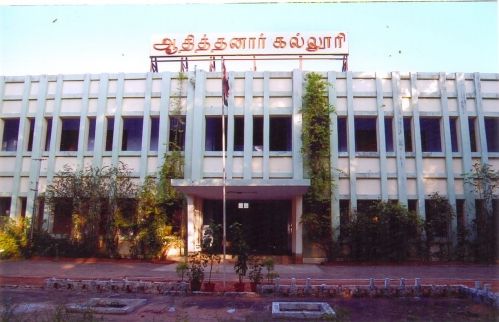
(485, 182)
(92, 195)
(383, 231)
(316, 216)
(439, 214)
(211, 245)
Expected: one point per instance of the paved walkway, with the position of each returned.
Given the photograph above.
(35, 271)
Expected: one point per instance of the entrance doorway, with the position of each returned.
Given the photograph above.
(266, 223)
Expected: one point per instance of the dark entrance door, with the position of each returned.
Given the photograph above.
(265, 223)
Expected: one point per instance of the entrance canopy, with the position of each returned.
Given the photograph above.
(243, 189)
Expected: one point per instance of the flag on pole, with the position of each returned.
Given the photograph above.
(344, 68)
(225, 98)
(225, 85)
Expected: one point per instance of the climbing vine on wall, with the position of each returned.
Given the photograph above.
(316, 154)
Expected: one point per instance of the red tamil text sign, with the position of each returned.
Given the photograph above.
(300, 43)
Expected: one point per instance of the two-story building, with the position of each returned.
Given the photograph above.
(393, 137)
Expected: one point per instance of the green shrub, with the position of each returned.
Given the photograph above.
(384, 231)
(14, 237)
(44, 244)
(316, 218)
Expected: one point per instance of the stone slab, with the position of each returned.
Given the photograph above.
(107, 305)
(301, 310)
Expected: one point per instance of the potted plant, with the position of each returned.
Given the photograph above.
(239, 249)
(255, 274)
(211, 246)
(269, 266)
(197, 263)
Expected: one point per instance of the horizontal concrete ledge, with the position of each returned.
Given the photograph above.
(240, 188)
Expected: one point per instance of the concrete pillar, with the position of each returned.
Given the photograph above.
(194, 223)
(297, 229)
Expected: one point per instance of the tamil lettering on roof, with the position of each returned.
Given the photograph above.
(299, 43)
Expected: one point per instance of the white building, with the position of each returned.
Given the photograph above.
(393, 137)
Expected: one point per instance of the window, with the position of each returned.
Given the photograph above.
(365, 134)
(280, 134)
(177, 133)
(408, 134)
(48, 133)
(5, 206)
(473, 138)
(257, 133)
(10, 133)
(430, 134)
(453, 134)
(492, 133)
(62, 216)
(367, 206)
(342, 134)
(109, 133)
(30, 134)
(412, 205)
(389, 134)
(91, 134)
(238, 133)
(438, 227)
(132, 134)
(213, 134)
(23, 201)
(153, 139)
(69, 134)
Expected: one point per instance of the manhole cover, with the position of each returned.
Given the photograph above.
(107, 306)
(301, 310)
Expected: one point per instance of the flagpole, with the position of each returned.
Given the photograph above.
(224, 175)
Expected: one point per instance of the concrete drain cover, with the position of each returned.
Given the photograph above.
(301, 310)
(107, 306)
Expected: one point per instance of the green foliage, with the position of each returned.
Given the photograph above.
(197, 263)
(385, 231)
(438, 217)
(211, 245)
(239, 248)
(316, 137)
(439, 214)
(44, 244)
(13, 237)
(92, 194)
(268, 263)
(150, 223)
(181, 269)
(169, 199)
(485, 181)
(150, 229)
(106, 203)
(316, 111)
(255, 269)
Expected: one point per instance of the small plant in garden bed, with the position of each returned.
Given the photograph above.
(211, 246)
(255, 273)
(182, 269)
(197, 264)
(239, 249)
(269, 266)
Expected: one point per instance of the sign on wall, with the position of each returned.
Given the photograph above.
(300, 43)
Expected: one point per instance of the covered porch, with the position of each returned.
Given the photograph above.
(266, 206)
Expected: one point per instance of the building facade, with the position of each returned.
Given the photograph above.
(393, 137)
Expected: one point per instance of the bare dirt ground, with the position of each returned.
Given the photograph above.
(47, 305)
